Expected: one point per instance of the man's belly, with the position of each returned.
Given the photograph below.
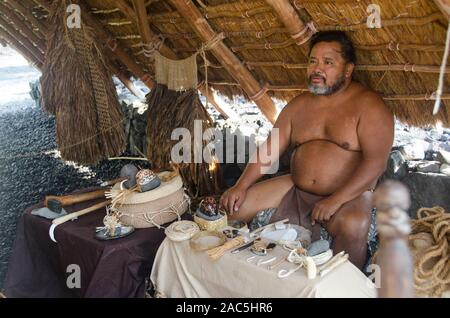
(322, 167)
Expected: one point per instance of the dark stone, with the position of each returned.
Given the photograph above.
(396, 166)
(429, 166)
(129, 171)
(427, 190)
(430, 155)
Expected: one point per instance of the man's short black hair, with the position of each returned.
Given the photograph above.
(348, 51)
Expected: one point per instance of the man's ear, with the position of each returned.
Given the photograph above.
(349, 69)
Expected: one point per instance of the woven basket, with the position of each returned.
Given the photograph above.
(206, 225)
(156, 207)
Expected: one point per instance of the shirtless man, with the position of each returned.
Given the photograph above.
(343, 133)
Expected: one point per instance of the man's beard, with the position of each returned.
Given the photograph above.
(325, 90)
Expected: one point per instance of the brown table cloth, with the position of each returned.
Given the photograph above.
(115, 268)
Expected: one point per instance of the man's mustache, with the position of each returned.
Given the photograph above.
(316, 75)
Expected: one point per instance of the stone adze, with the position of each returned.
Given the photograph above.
(74, 215)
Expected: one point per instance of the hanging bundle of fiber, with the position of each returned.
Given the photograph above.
(167, 110)
(78, 89)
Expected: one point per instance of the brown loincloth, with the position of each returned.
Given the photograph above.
(297, 206)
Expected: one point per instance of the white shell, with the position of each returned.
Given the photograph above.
(311, 269)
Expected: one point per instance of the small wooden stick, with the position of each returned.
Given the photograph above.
(73, 215)
(332, 260)
(333, 265)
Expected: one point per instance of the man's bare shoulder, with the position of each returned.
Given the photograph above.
(370, 102)
(297, 102)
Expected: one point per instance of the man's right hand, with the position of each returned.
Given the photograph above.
(233, 198)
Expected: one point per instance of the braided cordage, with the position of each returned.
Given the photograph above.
(218, 252)
(430, 244)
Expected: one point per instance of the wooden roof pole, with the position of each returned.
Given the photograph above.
(111, 43)
(139, 15)
(13, 17)
(141, 19)
(227, 58)
(125, 81)
(20, 48)
(444, 7)
(27, 14)
(211, 99)
(148, 37)
(22, 39)
(291, 20)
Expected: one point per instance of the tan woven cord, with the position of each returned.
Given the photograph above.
(85, 46)
(218, 252)
(429, 243)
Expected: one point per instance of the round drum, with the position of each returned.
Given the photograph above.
(156, 207)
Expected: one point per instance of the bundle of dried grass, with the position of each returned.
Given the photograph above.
(78, 89)
(169, 110)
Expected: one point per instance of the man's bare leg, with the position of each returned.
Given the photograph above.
(349, 228)
(263, 195)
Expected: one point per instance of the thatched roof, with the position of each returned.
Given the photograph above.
(400, 60)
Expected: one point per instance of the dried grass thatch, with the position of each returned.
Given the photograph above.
(400, 60)
(78, 89)
(258, 37)
(169, 110)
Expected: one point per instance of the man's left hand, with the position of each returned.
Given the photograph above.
(324, 210)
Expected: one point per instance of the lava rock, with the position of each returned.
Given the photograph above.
(429, 166)
(413, 151)
(427, 190)
(445, 169)
(443, 156)
(396, 166)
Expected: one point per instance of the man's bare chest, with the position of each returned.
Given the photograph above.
(335, 125)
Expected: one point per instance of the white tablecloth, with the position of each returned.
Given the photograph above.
(178, 271)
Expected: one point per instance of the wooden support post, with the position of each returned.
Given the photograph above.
(142, 23)
(20, 48)
(227, 58)
(126, 81)
(126, 9)
(27, 14)
(22, 39)
(218, 104)
(21, 25)
(394, 258)
(289, 17)
(139, 16)
(444, 7)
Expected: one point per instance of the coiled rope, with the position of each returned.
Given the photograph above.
(429, 243)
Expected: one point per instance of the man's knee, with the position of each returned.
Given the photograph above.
(352, 224)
